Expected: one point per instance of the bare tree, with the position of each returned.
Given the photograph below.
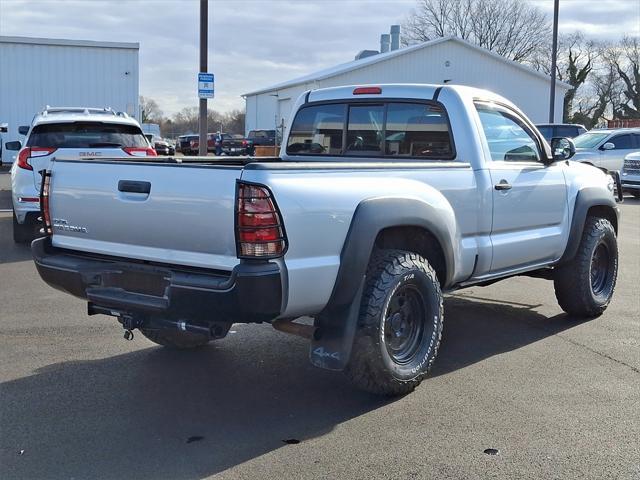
(577, 57)
(600, 100)
(186, 121)
(512, 28)
(149, 110)
(624, 58)
(234, 121)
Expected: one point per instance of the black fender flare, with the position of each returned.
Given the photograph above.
(337, 322)
(586, 198)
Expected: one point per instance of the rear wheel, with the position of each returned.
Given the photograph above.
(22, 232)
(175, 339)
(400, 324)
(584, 286)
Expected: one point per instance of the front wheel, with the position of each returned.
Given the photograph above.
(584, 286)
(400, 324)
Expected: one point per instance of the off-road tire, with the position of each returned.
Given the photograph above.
(574, 285)
(372, 366)
(175, 339)
(22, 233)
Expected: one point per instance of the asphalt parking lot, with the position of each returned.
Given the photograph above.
(557, 397)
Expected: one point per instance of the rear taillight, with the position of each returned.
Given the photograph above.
(44, 202)
(259, 229)
(244, 143)
(140, 151)
(32, 152)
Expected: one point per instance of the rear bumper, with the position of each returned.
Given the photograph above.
(251, 293)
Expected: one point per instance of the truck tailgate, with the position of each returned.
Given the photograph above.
(186, 218)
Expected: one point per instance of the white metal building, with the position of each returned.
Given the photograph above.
(35, 72)
(444, 60)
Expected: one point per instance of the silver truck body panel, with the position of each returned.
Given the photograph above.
(318, 207)
(188, 217)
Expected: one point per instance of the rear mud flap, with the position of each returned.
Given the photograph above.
(333, 341)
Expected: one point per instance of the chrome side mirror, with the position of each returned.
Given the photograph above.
(608, 146)
(562, 148)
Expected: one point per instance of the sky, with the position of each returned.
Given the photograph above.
(255, 43)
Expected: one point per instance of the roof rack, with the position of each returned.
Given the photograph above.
(85, 110)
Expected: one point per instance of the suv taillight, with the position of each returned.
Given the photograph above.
(32, 152)
(140, 151)
(44, 202)
(259, 229)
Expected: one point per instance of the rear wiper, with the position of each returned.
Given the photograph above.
(105, 144)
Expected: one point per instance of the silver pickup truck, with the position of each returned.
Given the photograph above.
(383, 199)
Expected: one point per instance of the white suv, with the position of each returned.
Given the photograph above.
(70, 133)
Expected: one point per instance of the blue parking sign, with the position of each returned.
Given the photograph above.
(205, 85)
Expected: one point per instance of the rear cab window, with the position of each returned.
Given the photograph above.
(86, 135)
(386, 129)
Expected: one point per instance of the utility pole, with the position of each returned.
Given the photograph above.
(204, 33)
(554, 56)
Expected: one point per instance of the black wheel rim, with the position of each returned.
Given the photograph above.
(599, 268)
(404, 323)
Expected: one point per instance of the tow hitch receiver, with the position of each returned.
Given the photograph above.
(130, 322)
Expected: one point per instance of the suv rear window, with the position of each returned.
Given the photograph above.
(86, 135)
(384, 129)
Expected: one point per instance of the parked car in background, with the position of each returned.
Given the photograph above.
(67, 133)
(232, 144)
(262, 137)
(189, 144)
(160, 145)
(607, 148)
(630, 176)
(567, 130)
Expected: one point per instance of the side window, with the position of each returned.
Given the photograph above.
(508, 138)
(317, 130)
(417, 130)
(622, 142)
(364, 130)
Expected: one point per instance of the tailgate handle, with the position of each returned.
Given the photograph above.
(134, 186)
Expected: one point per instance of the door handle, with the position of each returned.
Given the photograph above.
(503, 185)
(134, 186)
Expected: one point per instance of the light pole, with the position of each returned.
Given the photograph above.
(204, 14)
(554, 55)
